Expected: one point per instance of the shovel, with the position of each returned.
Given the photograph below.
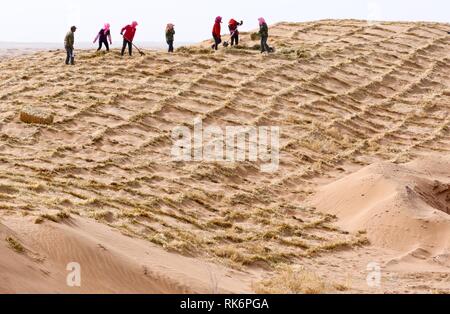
(137, 48)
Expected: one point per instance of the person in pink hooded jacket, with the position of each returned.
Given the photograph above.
(216, 32)
(264, 34)
(128, 33)
(103, 36)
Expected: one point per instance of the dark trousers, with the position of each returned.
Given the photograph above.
(70, 58)
(264, 46)
(130, 47)
(170, 43)
(217, 42)
(100, 45)
(235, 40)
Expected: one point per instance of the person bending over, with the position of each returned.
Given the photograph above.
(128, 33)
(234, 32)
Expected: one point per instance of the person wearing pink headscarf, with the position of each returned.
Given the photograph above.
(103, 36)
(128, 33)
(216, 32)
(234, 31)
(264, 34)
(170, 33)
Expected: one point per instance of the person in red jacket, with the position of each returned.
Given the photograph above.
(234, 32)
(217, 33)
(128, 37)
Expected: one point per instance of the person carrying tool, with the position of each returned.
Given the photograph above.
(234, 32)
(130, 31)
(264, 33)
(216, 32)
(69, 42)
(170, 33)
(103, 36)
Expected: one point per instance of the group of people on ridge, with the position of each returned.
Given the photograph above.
(217, 32)
(234, 33)
(103, 37)
(128, 32)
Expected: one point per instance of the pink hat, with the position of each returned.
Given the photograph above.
(261, 21)
(219, 19)
(107, 27)
(134, 24)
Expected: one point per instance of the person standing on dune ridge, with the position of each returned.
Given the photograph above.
(103, 36)
(264, 33)
(216, 32)
(69, 42)
(128, 37)
(170, 33)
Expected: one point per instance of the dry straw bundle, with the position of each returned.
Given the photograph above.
(36, 116)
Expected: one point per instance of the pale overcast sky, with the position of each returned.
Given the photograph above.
(48, 20)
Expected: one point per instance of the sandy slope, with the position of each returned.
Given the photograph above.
(402, 207)
(346, 95)
(110, 263)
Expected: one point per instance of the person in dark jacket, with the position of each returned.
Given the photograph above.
(103, 36)
(170, 33)
(264, 33)
(128, 33)
(69, 42)
(234, 32)
(217, 29)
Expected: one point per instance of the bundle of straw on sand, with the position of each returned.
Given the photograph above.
(35, 116)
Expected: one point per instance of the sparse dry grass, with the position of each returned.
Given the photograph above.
(441, 291)
(194, 50)
(15, 244)
(339, 245)
(57, 218)
(292, 281)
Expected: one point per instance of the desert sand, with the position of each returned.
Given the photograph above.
(364, 176)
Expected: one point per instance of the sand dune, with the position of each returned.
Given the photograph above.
(110, 262)
(403, 207)
(346, 95)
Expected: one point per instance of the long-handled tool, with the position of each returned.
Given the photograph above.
(137, 48)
